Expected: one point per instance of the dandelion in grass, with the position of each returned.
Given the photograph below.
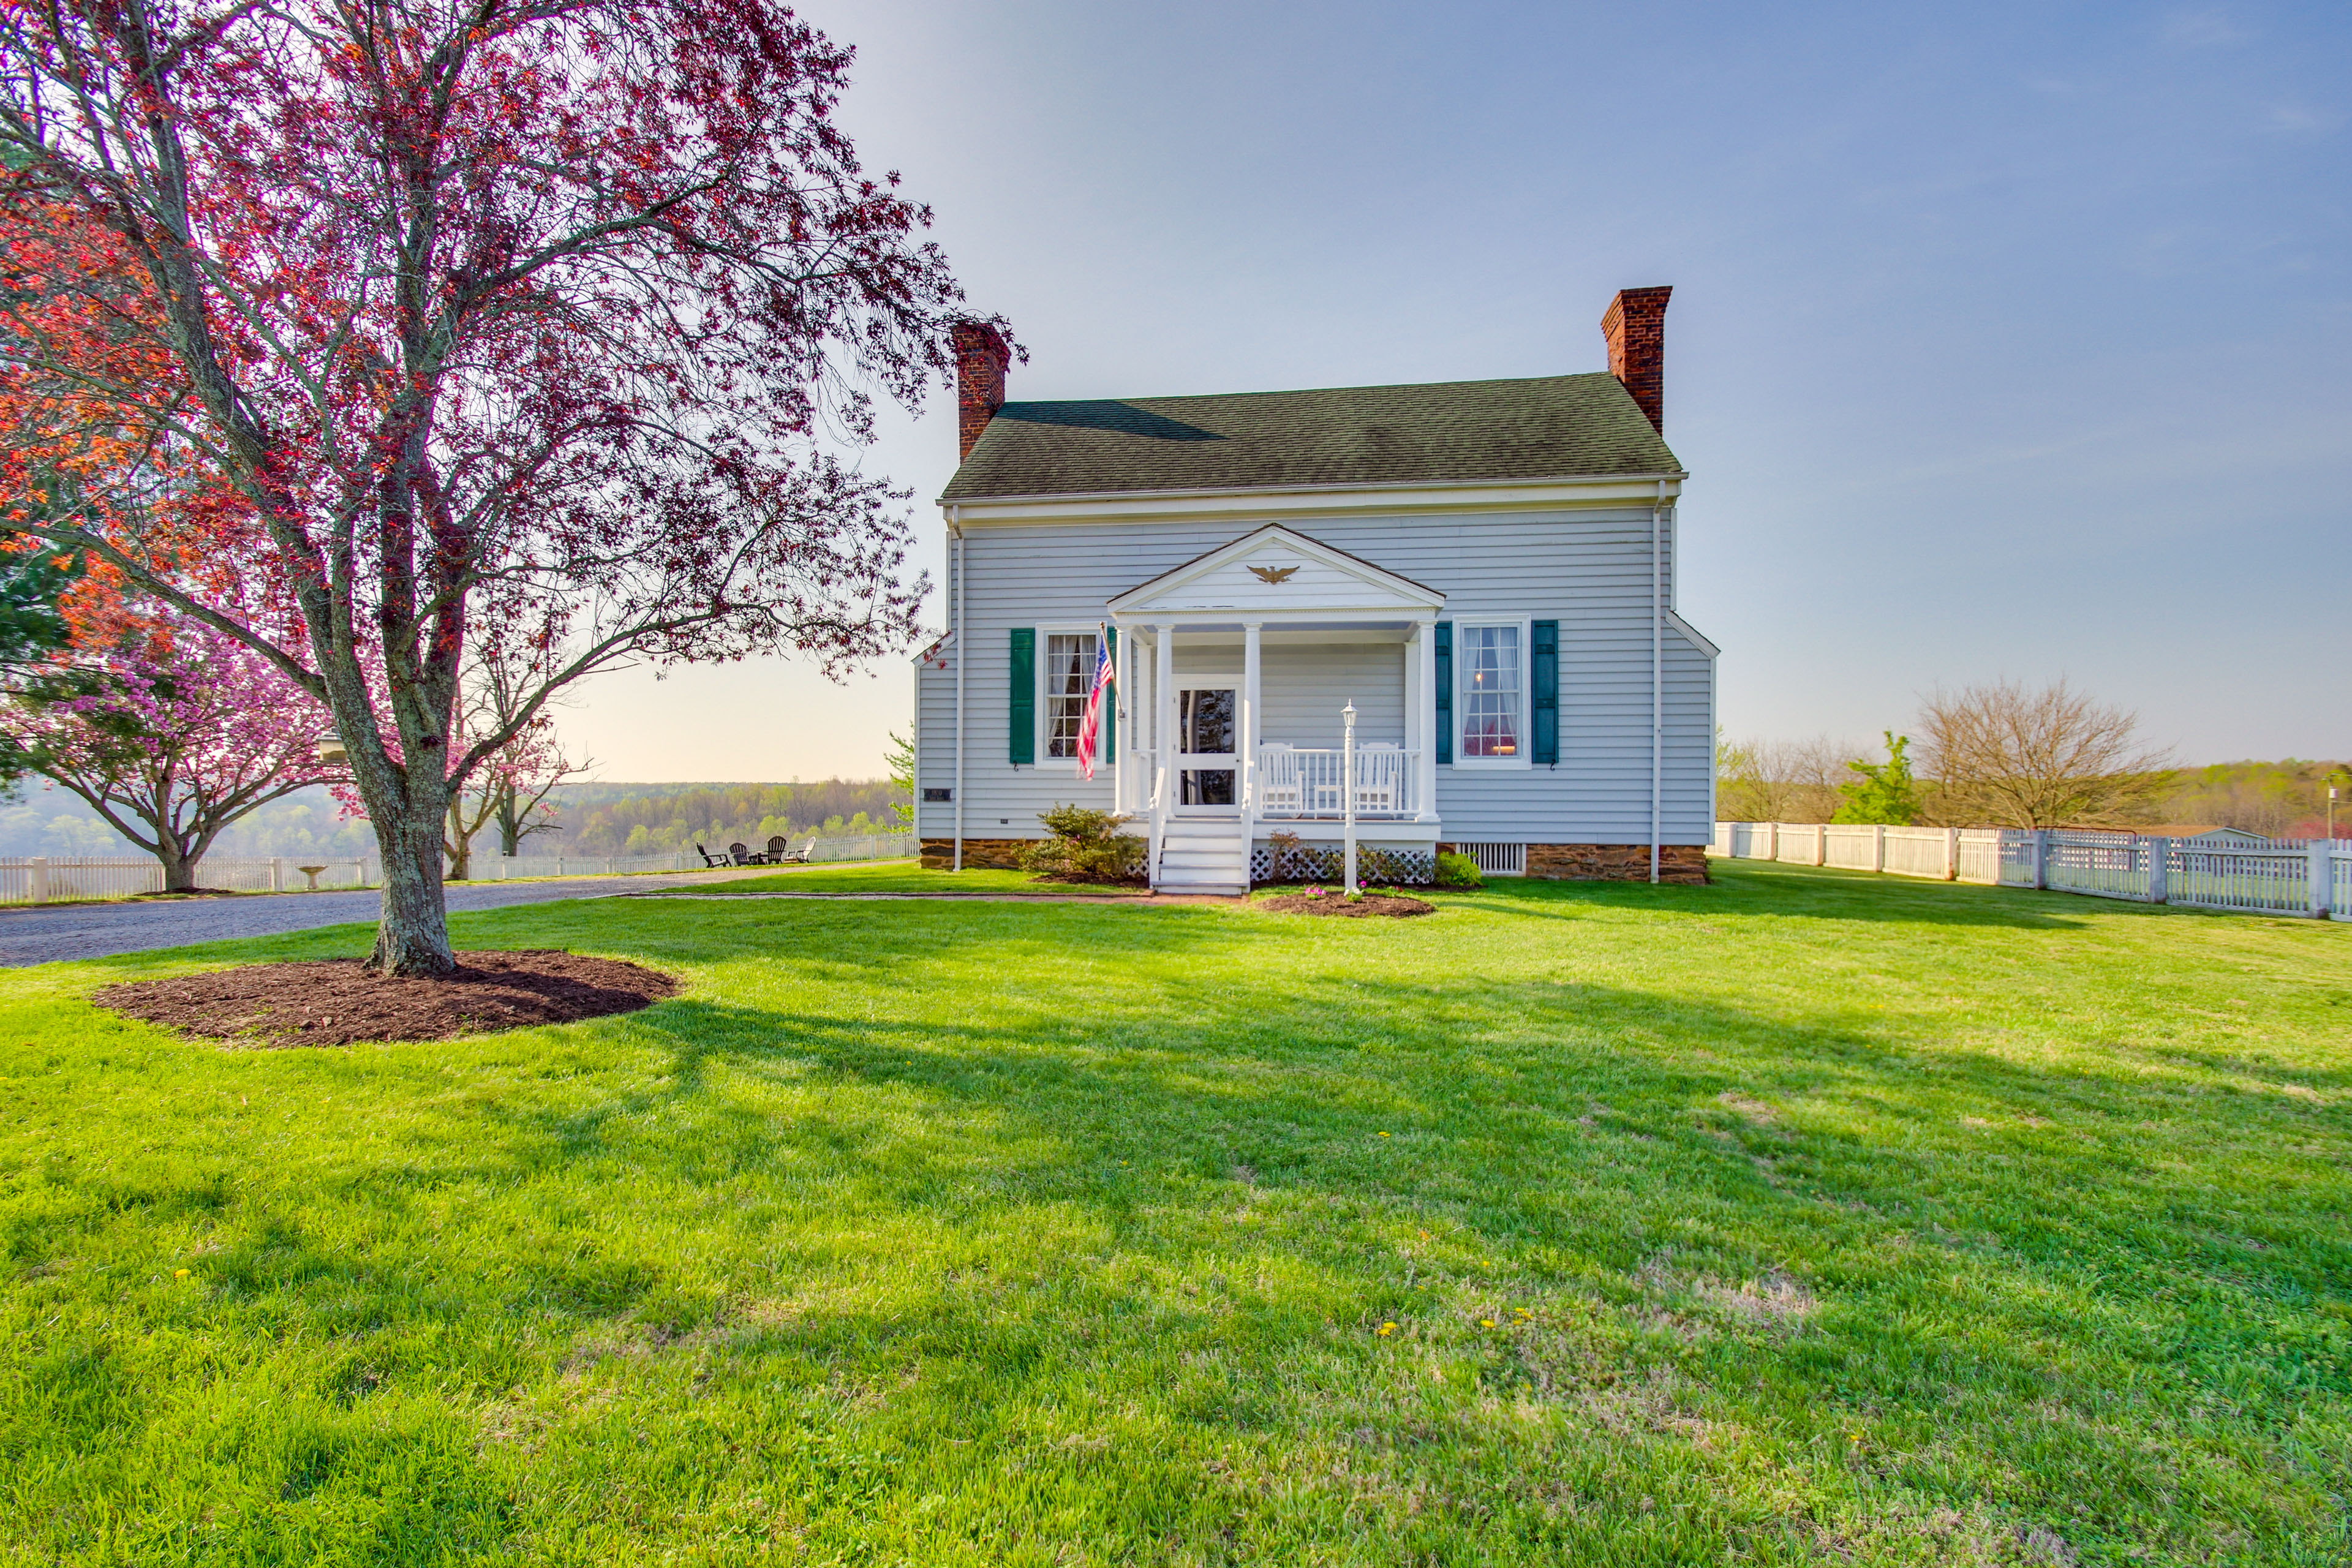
(1485, 1322)
(179, 1274)
(1387, 1329)
(1384, 1134)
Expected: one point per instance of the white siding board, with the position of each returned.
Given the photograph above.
(1304, 688)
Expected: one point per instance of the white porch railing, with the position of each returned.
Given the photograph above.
(1293, 782)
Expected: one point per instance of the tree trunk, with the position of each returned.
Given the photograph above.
(179, 870)
(509, 825)
(411, 934)
(459, 847)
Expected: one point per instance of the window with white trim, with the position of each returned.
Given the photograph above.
(1490, 666)
(1068, 675)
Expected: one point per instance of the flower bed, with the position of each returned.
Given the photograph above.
(1333, 902)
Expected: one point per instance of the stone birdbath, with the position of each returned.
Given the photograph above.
(311, 872)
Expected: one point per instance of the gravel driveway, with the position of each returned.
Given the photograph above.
(39, 934)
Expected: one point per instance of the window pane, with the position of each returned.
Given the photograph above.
(1069, 672)
(1490, 691)
(1205, 719)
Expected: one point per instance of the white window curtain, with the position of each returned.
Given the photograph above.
(1069, 673)
(1491, 703)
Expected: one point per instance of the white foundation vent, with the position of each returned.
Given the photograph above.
(1497, 859)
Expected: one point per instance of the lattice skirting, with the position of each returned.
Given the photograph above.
(1327, 863)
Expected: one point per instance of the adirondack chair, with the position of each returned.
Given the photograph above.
(741, 854)
(776, 847)
(711, 862)
(790, 857)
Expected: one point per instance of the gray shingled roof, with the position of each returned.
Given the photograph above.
(1553, 426)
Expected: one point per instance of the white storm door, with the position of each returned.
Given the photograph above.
(1208, 766)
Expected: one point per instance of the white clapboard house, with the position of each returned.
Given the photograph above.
(1484, 570)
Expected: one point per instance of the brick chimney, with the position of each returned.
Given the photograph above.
(1635, 326)
(981, 358)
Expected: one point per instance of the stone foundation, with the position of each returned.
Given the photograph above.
(1682, 863)
(979, 854)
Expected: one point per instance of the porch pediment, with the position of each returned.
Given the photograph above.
(1277, 573)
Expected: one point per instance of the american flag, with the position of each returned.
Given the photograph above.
(1090, 726)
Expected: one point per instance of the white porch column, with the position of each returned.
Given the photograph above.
(1164, 707)
(1140, 709)
(1415, 743)
(1249, 735)
(1424, 714)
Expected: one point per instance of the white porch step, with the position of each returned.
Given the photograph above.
(1204, 856)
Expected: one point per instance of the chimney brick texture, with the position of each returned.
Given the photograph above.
(981, 358)
(1635, 326)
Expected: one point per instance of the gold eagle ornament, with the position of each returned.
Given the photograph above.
(1274, 574)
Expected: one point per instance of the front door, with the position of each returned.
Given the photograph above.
(1208, 720)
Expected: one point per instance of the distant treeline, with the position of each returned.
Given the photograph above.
(589, 819)
(2279, 800)
(42, 819)
(649, 819)
(1799, 782)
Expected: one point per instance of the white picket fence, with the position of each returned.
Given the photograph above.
(506, 868)
(2283, 877)
(1946, 854)
(40, 879)
(500, 868)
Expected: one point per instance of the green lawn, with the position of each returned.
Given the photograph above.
(1811, 1217)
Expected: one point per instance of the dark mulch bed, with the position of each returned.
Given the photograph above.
(1395, 904)
(337, 1002)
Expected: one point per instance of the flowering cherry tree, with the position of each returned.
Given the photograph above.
(188, 730)
(446, 319)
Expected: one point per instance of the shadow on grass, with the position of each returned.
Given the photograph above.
(1754, 888)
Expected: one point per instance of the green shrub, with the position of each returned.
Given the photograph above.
(1087, 847)
(1458, 870)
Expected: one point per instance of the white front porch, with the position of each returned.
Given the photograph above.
(1233, 686)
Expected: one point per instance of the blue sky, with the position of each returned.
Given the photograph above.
(2006, 340)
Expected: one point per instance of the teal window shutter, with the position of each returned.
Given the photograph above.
(1544, 676)
(1111, 698)
(1445, 693)
(1023, 735)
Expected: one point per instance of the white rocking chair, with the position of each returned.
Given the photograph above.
(1277, 785)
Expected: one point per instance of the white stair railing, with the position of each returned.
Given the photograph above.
(1159, 820)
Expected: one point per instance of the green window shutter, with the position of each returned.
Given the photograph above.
(1444, 693)
(1109, 747)
(1544, 676)
(1022, 736)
